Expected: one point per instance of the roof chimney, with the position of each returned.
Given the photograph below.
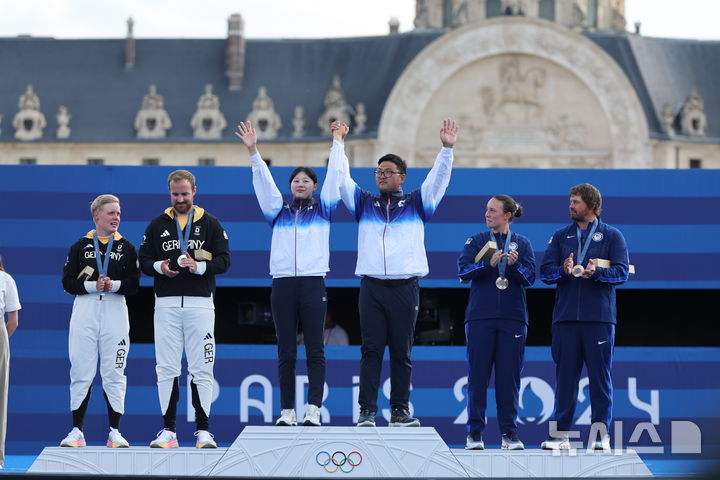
(235, 52)
(130, 45)
(394, 25)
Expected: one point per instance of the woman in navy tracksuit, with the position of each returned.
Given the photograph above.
(299, 260)
(496, 319)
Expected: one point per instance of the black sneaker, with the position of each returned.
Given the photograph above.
(401, 418)
(366, 419)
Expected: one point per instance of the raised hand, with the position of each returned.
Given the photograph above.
(247, 134)
(448, 133)
(339, 130)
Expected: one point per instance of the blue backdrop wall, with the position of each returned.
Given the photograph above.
(669, 219)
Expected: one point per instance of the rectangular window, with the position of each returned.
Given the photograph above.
(546, 10)
(695, 163)
(493, 8)
(96, 161)
(28, 161)
(206, 162)
(592, 13)
(447, 13)
(151, 161)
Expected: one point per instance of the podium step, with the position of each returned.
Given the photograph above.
(127, 461)
(313, 452)
(320, 451)
(544, 463)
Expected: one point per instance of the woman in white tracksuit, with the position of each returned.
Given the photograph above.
(299, 261)
(10, 304)
(101, 268)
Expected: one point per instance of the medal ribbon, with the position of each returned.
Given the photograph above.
(503, 262)
(102, 266)
(185, 238)
(582, 251)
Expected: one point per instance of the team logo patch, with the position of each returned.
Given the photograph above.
(513, 246)
(401, 203)
(89, 246)
(197, 230)
(119, 247)
(468, 241)
(597, 236)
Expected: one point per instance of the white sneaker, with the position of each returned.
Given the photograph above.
(312, 416)
(602, 444)
(74, 439)
(556, 443)
(205, 439)
(165, 439)
(511, 442)
(471, 444)
(116, 440)
(287, 418)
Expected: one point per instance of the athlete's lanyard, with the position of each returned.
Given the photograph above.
(503, 263)
(184, 238)
(582, 251)
(102, 266)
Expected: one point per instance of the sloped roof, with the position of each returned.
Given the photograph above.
(89, 78)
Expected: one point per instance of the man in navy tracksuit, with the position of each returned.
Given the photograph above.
(391, 258)
(584, 316)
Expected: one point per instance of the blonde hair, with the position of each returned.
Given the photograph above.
(179, 175)
(102, 200)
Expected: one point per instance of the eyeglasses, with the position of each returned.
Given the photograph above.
(386, 173)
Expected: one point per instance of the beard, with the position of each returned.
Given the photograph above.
(182, 208)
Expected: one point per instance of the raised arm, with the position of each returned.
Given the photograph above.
(330, 192)
(435, 184)
(349, 190)
(267, 193)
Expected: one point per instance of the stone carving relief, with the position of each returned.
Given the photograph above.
(267, 122)
(298, 122)
(360, 118)
(29, 121)
(517, 98)
(692, 116)
(566, 134)
(63, 118)
(152, 121)
(335, 107)
(208, 122)
(667, 118)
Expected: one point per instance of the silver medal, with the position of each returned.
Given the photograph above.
(181, 259)
(502, 283)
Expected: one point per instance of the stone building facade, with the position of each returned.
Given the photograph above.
(533, 84)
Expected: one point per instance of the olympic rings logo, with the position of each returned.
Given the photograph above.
(339, 460)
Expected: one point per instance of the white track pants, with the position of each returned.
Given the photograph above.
(194, 329)
(99, 328)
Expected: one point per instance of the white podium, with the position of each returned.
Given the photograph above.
(316, 452)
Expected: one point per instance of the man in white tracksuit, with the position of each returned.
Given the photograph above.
(183, 249)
